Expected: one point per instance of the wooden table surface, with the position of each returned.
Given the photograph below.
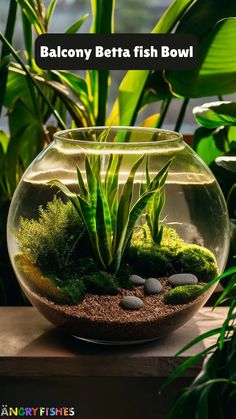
(30, 346)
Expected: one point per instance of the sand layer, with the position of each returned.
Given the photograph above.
(102, 317)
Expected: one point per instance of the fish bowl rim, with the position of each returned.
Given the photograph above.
(174, 137)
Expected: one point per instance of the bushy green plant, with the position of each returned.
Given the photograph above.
(183, 294)
(51, 241)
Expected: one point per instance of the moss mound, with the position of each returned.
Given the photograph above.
(199, 261)
(101, 283)
(183, 294)
(74, 290)
(172, 256)
(150, 259)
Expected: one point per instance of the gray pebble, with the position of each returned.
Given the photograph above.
(182, 279)
(130, 302)
(152, 286)
(137, 280)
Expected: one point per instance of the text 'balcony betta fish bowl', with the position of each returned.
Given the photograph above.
(114, 232)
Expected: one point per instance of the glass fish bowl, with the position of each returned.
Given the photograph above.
(115, 233)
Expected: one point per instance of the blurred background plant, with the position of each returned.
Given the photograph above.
(37, 103)
(215, 142)
(213, 392)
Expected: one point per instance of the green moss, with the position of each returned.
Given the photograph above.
(52, 241)
(183, 294)
(199, 261)
(123, 277)
(101, 283)
(85, 266)
(173, 255)
(150, 259)
(74, 290)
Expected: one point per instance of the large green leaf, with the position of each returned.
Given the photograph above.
(209, 144)
(132, 86)
(98, 80)
(216, 114)
(215, 73)
(32, 82)
(79, 88)
(26, 141)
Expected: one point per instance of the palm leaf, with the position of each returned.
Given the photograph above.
(50, 11)
(185, 365)
(198, 339)
(32, 16)
(225, 326)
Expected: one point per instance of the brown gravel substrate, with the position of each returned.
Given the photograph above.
(102, 317)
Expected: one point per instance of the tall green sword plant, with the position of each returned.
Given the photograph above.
(110, 217)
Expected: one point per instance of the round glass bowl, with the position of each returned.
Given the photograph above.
(102, 220)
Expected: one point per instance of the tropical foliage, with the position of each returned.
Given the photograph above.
(212, 393)
(215, 142)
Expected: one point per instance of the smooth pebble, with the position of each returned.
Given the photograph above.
(152, 286)
(131, 302)
(137, 280)
(182, 279)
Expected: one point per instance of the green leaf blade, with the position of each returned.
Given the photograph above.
(77, 25)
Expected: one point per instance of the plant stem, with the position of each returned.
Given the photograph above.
(8, 34)
(34, 82)
(164, 109)
(181, 115)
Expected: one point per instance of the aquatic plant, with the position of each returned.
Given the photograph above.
(154, 208)
(50, 241)
(110, 219)
(173, 255)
